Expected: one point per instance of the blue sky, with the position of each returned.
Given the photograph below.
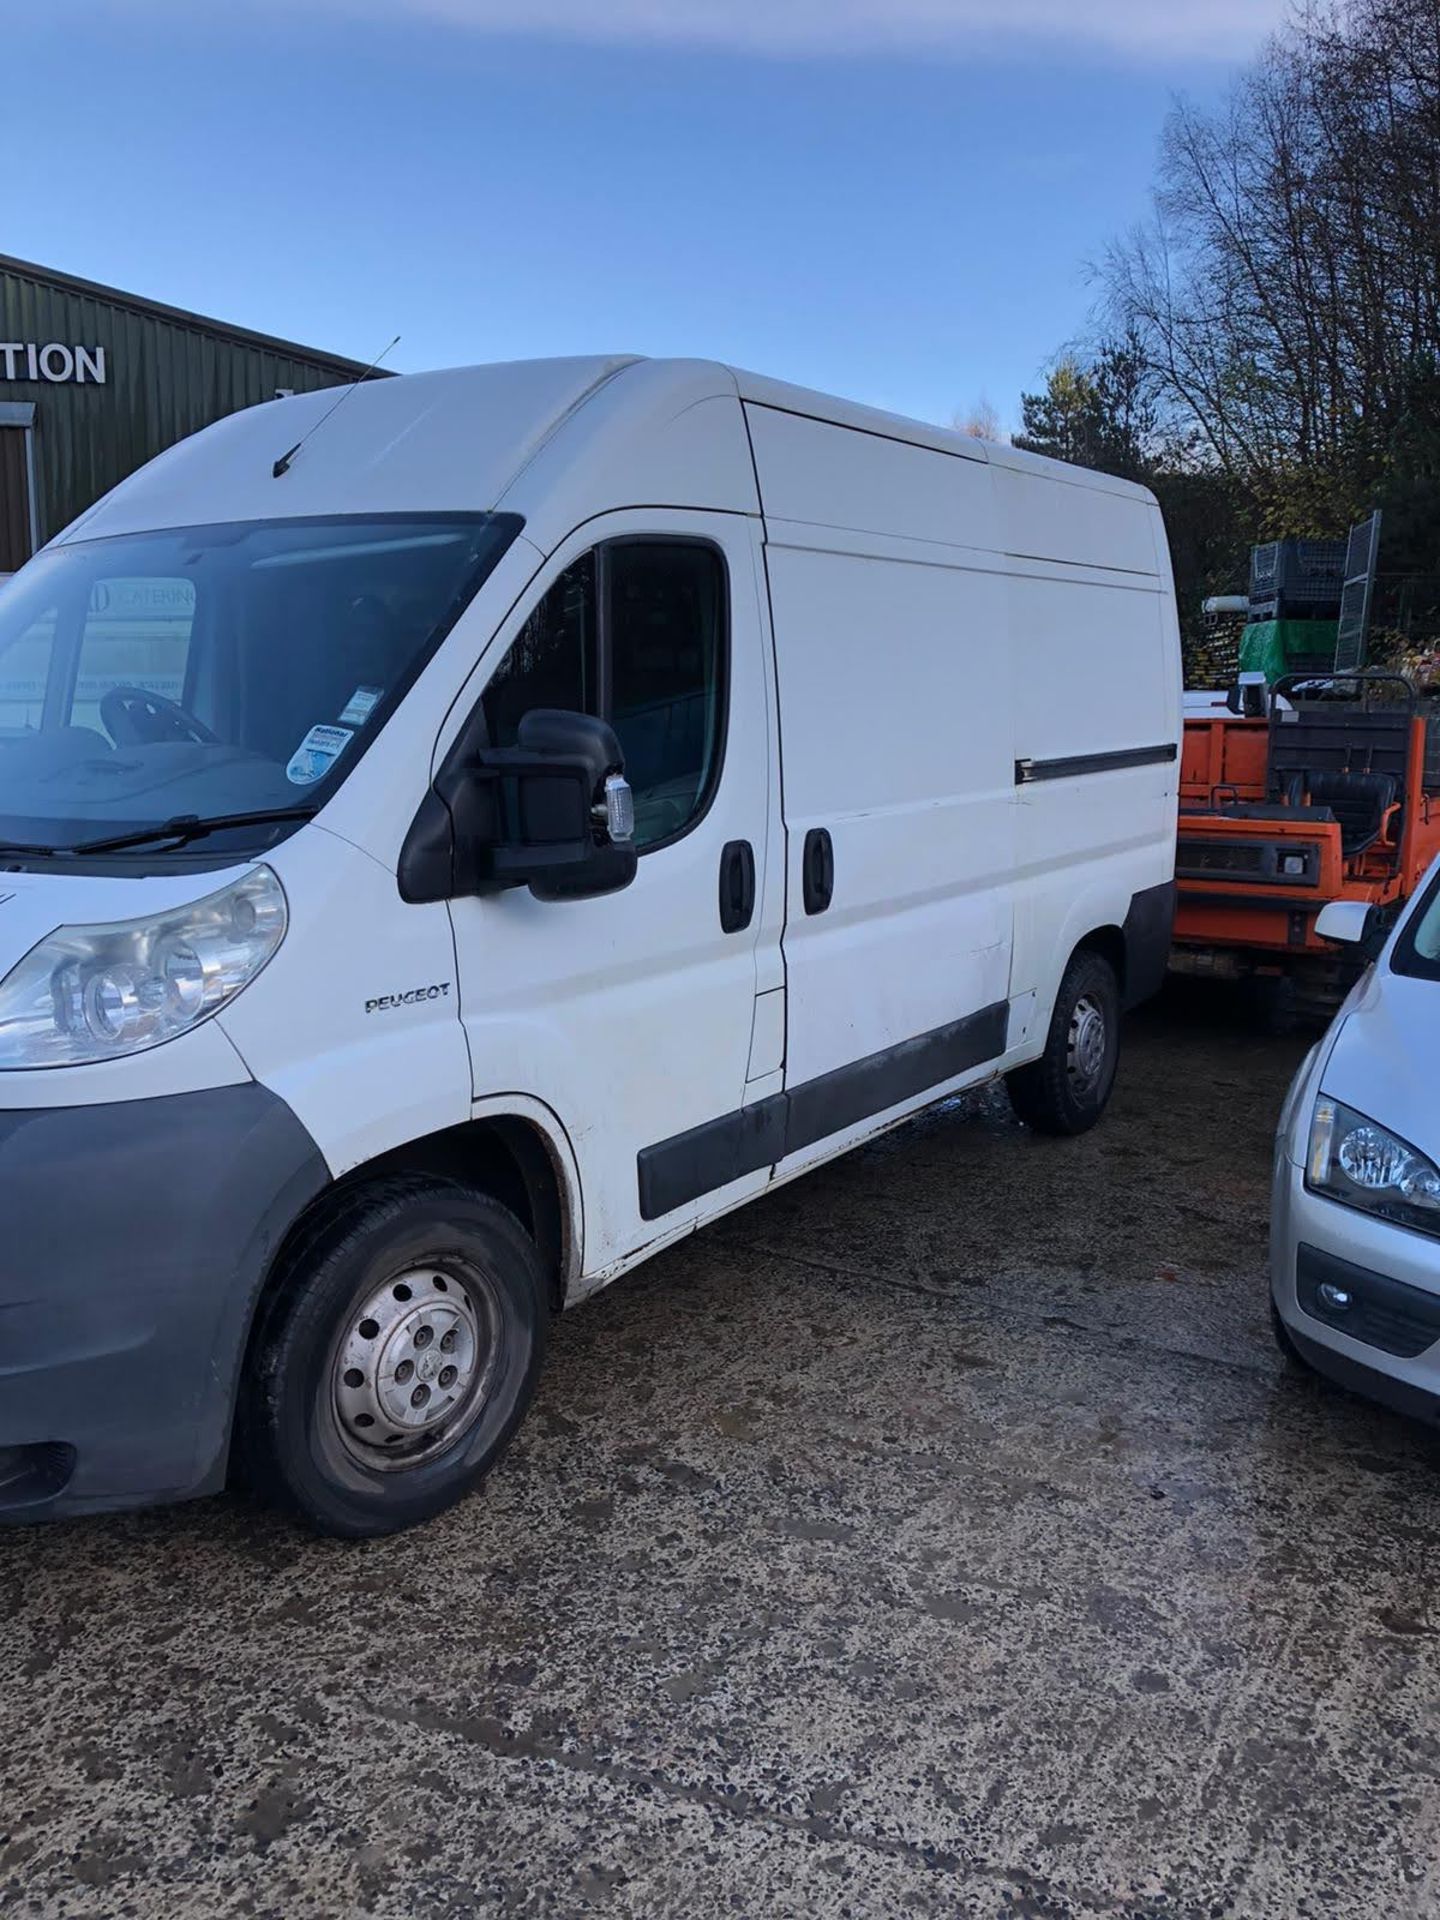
(892, 199)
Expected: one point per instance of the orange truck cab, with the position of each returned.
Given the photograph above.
(1334, 796)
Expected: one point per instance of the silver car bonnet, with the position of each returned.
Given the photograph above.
(1385, 1061)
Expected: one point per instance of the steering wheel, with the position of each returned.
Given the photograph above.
(135, 717)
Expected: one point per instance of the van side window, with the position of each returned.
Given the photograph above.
(634, 633)
(552, 661)
(137, 634)
(666, 657)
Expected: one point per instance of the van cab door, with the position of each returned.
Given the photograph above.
(630, 1015)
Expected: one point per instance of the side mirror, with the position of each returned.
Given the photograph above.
(564, 816)
(1352, 923)
(554, 813)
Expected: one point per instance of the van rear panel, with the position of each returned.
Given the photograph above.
(978, 671)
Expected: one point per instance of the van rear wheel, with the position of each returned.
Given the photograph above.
(1066, 1090)
(404, 1349)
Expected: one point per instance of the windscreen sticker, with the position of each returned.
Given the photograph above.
(359, 707)
(316, 754)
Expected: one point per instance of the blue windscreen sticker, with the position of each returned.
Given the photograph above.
(316, 754)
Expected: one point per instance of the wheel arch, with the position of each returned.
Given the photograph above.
(1110, 944)
(509, 1154)
(1129, 929)
(505, 1153)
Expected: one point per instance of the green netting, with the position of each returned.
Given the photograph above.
(1278, 647)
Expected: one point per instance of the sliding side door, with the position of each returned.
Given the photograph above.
(898, 775)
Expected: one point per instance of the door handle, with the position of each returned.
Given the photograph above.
(817, 869)
(737, 886)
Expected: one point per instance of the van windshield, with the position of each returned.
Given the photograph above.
(217, 673)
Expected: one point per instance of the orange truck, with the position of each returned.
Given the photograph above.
(1334, 795)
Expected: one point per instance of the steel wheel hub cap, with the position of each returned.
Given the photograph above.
(1087, 1040)
(410, 1369)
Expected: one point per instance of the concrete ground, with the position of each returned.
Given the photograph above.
(939, 1536)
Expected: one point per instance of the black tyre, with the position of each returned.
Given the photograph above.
(403, 1349)
(1066, 1090)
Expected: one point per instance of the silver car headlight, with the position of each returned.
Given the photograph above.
(1354, 1160)
(95, 993)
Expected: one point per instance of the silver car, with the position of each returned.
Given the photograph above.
(1355, 1217)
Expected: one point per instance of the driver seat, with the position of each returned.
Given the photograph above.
(1359, 801)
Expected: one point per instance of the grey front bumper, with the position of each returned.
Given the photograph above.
(134, 1239)
(1410, 1383)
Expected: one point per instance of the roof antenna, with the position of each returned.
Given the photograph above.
(283, 464)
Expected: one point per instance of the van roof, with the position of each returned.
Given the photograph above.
(760, 390)
(460, 438)
(453, 440)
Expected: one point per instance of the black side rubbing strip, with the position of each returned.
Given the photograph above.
(838, 1100)
(688, 1164)
(681, 1169)
(1029, 771)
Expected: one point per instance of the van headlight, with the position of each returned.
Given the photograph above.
(95, 993)
(1361, 1164)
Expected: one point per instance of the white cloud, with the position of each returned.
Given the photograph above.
(1161, 29)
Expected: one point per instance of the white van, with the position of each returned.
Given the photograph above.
(456, 845)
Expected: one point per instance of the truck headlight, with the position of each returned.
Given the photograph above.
(1361, 1164)
(95, 993)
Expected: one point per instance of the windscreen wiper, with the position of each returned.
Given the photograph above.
(31, 849)
(184, 826)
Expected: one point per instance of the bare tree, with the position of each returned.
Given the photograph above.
(1286, 294)
(981, 422)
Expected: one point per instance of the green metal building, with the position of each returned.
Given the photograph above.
(94, 382)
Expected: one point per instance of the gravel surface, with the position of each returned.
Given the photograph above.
(941, 1535)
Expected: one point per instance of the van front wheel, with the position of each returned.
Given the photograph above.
(1066, 1090)
(404, 1347)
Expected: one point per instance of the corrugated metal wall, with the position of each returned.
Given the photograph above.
(166, 376)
